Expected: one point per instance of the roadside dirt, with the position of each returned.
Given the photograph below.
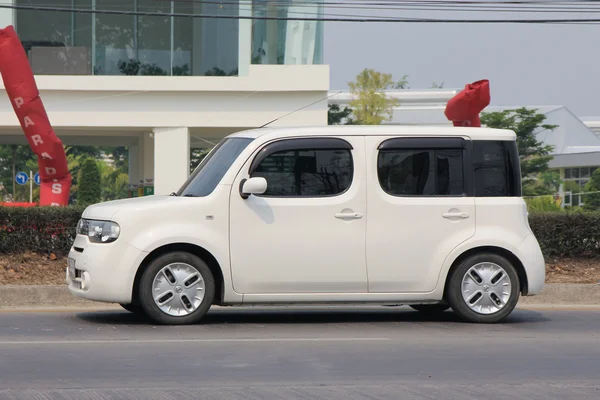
(32, 269)
(38, 269)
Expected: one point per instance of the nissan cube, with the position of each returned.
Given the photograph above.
(428, 217)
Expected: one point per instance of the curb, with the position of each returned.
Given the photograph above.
(59, 296)
(566, 294)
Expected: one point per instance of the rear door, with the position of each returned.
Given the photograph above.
(418, 209)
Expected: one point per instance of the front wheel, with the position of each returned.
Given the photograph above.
(484, 288)
(177, 289)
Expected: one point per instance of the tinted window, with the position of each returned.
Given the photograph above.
(213, 167)
(421, 172)
(306, 172)
(496, 168)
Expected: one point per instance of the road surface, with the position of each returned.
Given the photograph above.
(294, 353)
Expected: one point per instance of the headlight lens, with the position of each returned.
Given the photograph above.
(99, 231)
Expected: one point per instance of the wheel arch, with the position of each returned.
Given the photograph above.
(196, 250)
(509, 255)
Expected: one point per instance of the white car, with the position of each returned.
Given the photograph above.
(430, 217)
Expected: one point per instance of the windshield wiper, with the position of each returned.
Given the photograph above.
(189, 195)
(173, 194)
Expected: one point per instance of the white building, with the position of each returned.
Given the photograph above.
(203, 78)
(576, 142)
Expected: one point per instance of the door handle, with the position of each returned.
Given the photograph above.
(455, 215)
(348, 215)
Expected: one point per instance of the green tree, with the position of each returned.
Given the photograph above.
(196, 157)
(534, 154)
(89, 190)
(370, 105)
(338, 116)
(114, 182)
(592, 201)
(402, 83)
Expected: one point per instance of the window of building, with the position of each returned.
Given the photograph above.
(496, 169)
(99, 43)
(421, 172)
(281, 41)
(306, 172)
(575, 181)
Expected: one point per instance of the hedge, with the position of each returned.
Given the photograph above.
(38, 229)
(52, 230)
(567, 234)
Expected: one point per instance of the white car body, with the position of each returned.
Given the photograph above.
(269, 249)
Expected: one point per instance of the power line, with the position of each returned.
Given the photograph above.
(361, 19)
(487, 7)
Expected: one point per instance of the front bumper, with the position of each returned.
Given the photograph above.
(103, 271)
(531, 256)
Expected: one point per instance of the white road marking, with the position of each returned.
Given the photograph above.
(233, 340)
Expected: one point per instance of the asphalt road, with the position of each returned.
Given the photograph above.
(365, 353)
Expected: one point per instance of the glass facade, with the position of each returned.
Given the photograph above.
(280, 41)
(86, 43)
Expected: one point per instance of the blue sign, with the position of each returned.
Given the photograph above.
(22, 178)
(36, 178)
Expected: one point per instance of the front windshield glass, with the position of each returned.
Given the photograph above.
(210, 171)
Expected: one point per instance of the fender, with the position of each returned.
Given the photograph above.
(501, 238)
(25, 98)
(154, 237)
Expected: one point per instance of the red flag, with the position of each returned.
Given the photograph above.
(464, 108)
(25, 98)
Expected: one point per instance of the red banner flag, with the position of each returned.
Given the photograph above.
(25, 98)
(464, 108)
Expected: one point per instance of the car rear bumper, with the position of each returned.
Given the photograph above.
(531, 256)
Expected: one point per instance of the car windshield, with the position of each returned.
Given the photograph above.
(210, 171)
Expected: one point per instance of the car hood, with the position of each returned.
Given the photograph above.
(106, 211)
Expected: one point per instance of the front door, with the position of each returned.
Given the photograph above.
(306, 233)
(418, 208)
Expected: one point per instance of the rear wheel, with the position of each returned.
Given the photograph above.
(177, 289)
(430, 308)
(484, 288)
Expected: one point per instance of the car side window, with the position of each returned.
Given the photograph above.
(404, 170)
(305, 169)
(496, 168)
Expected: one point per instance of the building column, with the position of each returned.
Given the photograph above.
(171, 159)
(146, 154)
(7, 15)
(245, 38)
(134, 167)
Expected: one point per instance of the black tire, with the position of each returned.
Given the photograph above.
(431, 309)
(146, 296)
(134, 308)
(459, 305)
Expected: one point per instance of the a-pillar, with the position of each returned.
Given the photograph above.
(171, 159)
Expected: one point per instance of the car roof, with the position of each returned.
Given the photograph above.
(378, 130)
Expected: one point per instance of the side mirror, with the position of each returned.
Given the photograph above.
(252, 186)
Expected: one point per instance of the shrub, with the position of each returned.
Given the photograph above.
(52, 230)
(543, 204)
(38, 229)
(89, 190)
(567, 234)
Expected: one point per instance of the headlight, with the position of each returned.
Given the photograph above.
(99, 231)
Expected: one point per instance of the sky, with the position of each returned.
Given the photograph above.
(527, 65)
